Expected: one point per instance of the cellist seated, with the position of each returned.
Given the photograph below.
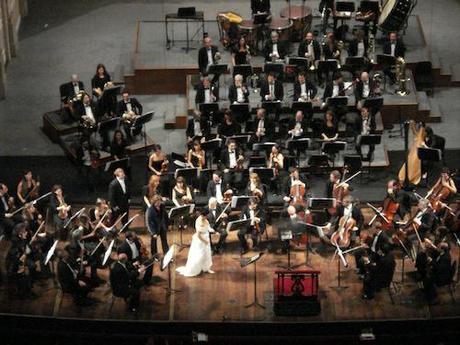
(291, 182)
(348, 209)
(442, 189)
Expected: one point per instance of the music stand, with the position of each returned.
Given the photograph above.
(286, 235)
(210, 147)
(355, 61)
(299, 145)
(141, 121)
(237, 224)
(241, 111)
(341, 258)
(318, 161)
(304, 107)
(189, 174)
(104, 127)
(352, 161)
(265, 174)
(335, 102)
(374, 103)
(386, 61)
(177, 214)
(299, 62)
(267, 146)
(239, 202)
(209, 108)
(328, 66)
(218, 69)
(333, 148)
(246, 262)
(429, 154)
(275, 67)
(240, 140)
(260, 18)
(166, 262)
(244, 70)
(321, 203)
(257, 161)
(117, 163)
(369, 6)
(369, 140)
(271, 106)
(305, 228)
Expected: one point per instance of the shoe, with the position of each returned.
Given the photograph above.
(210, 272)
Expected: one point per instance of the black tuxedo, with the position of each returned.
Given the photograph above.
(269, 129)
(135, 106)
(385, 270)
(281, 46)
(126, 249)
(80, 110)
(442, 269)
(260, 213)
(309, 87)
(353, 47)
(303, 48)
(358, 124)
(278, 90)
(119, 200)
(212, 216)
(328, 90)
(380, 241)
(204, 125)
(67, 90)
(69, 281)
(304, 124)
(359, 89)
(400, 49)
(329, 52)
(157, 224)
(123, 279)
(261, 6)
(203, 58)
(229, 130)
(232, 178)
(200, 93)
(233, 94)
(211, 188)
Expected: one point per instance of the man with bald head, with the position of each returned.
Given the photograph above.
(206, 55)
(274, 48)
(124, 279)
(364, 89)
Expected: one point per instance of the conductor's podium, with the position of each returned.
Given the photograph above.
(296, 293)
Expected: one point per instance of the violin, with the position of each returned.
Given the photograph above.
(342, 236)
(227, 197)
(390, 208)
(438, 195)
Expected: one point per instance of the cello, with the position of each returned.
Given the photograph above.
(341, 238)
(439, 194)
(297, 193)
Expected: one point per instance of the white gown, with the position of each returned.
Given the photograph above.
(199, 256)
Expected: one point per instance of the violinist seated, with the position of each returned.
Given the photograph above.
(28, 187)
(238, 92)
(364, 125)
(7, 219)
(294, 184)
(347, 209)
(256, 188)
(71, 281)
(206, 91)
(274, 49)
(231, 163)
(262, 127)
(229, 127)
(197, 128)
(181, 193)
(276, 162)
(215, 211)
(218, 189)
(439, 271)
(333, 183)
(399, 198)
(256, 213)
(129, 109)
(423, 221)
(441, 190)
(125, 281)
(136, 254)
(297, 127)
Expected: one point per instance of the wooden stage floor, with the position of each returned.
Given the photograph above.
(223, 295)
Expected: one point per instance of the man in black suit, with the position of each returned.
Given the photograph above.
(197, 127)
(217, 188)
(229, 165)
(347, 208)
(271, 89)
(87, 111)
(364, 125)
(260, 6)
(128, 104)
(274, 48)
(157, 220)
(70, 280)
(386, 265)
(394, 47)
(132, 247)
(262, 127)
(335, 88)
(364, 89)
(432, 141)
(304, 90)
(71, 89)
(215, 211)
(310, 49)
(297, 127)
(237, 92)
(206, 91)
(119, 195)
(6, 217)
(425, 218)
(257, 215)
(124, 281)
(206, 55)
(441, 270)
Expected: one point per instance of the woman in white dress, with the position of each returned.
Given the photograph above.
(199, 256)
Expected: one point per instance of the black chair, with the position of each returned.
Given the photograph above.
(423, 75)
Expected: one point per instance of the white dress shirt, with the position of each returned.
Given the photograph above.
(89, 112)
(197, 128)
(393, 49)
(239, 95)
(210, 59)
(219, 195)
(76, 88)
(275, 49)
(232, 159)
(121, 181)
(361, 49)
(366, 89)
(347, 211)
(335, 90)
(134, 249)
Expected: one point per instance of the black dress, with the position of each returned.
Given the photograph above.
(240, 56)
(330, 131)
(108, 102)
(118, 149)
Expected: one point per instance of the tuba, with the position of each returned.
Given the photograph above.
(401, 77)
(371, 47)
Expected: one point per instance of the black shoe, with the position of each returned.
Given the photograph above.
(243, 251)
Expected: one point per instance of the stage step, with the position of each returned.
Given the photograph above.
(455, 74)
(177, 118)
(435, 112)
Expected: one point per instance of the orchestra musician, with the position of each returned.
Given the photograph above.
(398, 196)
(263, 128)
(87, 157)
(364, 125)
(422, 223)
(88, 112)
(240, 52)
(330, 127)
(256, 188)
(237, 92)
(124, 280)
(441, 190)
(71, 92)
(331, 48)
(394, 47)
(129, 109)
(274, 48)
(206, 55)
(364, 89)
(298, 126)
(276, 162)
(136, 254)
(159, 166)
(256, 213)
(118, 145)
(215, 210)
(231, 163)
(293, 179)
(347, 209)
(71, 281)
(157, 224)
(272, 89)
(28, 188)
(358, 45)
(197, 127)
(59, 208)
(196, 158)
(432, 141)
(333, 183)
(439, 271)
(119, 195)
(260, 6)
(206, 91)
(228, 127)
(100, 81)
(304, 90)
(309, 48)
(217, 188)
(335, 88)
(181, 193)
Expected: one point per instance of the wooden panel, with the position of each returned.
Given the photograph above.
(161, 81)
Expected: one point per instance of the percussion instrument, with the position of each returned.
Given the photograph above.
(301, 17)
(225, 21)
(394, 14)
(248, 29)
(282, 26)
